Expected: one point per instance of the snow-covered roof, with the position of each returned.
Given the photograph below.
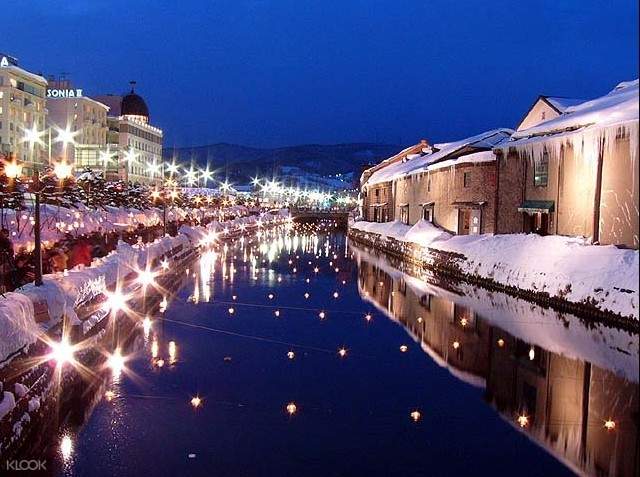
(561, 103)
(26, 74)
(485, 140)
(617, 107)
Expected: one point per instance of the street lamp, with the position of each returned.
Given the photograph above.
(62, 171)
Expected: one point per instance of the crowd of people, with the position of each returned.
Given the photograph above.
(18, 267)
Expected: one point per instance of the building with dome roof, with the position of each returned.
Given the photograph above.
(135, 144)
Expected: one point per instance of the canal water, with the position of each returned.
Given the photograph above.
(313, 357)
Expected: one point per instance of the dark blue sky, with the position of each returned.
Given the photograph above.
(271, 72)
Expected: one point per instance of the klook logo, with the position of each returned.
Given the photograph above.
(26, 464)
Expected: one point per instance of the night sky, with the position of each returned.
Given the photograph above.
(271, 72)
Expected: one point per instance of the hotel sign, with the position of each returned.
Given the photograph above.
(64, 93)
(6, 61)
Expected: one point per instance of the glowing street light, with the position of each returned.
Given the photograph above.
(32, 136)
(62, 352)
(12, 170)
(62, 170)
(66, 136)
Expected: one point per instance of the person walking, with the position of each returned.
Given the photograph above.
(7, 263)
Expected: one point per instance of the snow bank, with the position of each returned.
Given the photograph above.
(563, 267)
(61, 292)
(424, 233)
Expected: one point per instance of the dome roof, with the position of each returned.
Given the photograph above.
(134, 105)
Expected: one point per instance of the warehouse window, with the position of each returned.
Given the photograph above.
(541, 170)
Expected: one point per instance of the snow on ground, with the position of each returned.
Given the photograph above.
(560, 266)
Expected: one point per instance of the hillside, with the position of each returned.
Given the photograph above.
(306, 164)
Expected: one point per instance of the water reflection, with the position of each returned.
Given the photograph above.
(571, 387)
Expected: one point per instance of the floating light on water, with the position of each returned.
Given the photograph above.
(66, 447)
(500, 342)
(270, 296)
(532, 354)
(146, 326)
(609, 424)
(109, 395)
(160, 363)
(419, 319)
(322, 315)
(456, 344)
(342, 352)
(231, 310)
(173, 351)
(291, 408)
(306, 295)
(196, 401)
(234, 297)
(277, 312)
(291, 355)
(154, 349)
(404, 348)
(335, 294)
(116, 362)
(464, 322)
(415, 415)
(523, 420)
(307, 280)
(368, 317)
(316, 269)
(337, 269)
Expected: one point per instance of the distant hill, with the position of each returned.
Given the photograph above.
(310, 163)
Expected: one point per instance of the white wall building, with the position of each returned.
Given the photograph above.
(22, 107)
(83, 118)
(136, 144)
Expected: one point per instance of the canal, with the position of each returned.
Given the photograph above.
(308, 356)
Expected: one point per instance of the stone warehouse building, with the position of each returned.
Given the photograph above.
(576, 174)
(569, 169)
(376, 196)
(451, 185)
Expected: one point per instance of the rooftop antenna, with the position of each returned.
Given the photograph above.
(133, 84)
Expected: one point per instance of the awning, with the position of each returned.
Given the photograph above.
(405, 204)
(536, 206)
(427, 204)
(468, 205)
(379, 205)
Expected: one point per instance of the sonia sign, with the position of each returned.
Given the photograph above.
(64, 93)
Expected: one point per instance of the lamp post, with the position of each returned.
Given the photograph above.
(62, 171)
